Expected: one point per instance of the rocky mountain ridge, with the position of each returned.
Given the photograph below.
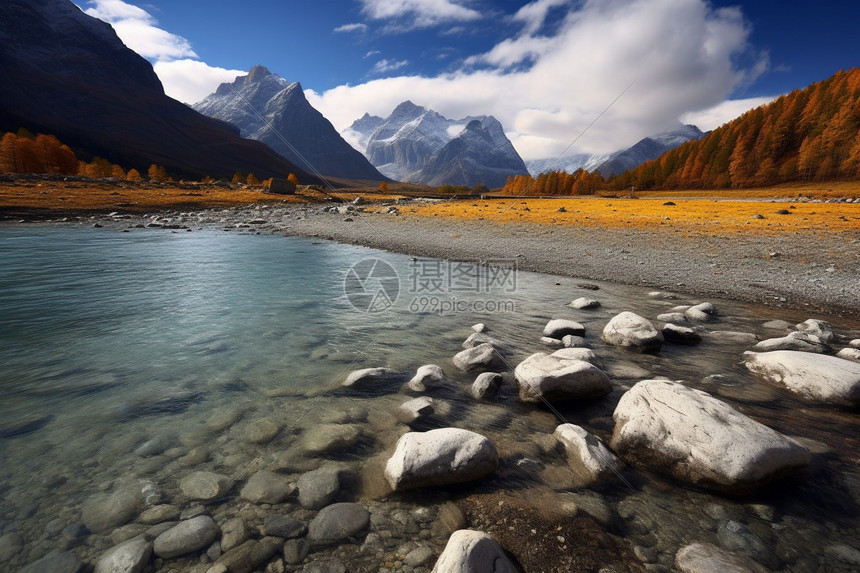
(68, 74)
(268, 108)
(419, 145)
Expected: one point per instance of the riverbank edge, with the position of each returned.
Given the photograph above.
(815, 273)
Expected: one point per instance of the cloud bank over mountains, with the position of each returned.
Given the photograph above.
(678, 60)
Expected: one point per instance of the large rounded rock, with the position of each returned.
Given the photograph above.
(707, 558)
(266, 487)
(186, 536)
(102, 512)
(440, 457)
(587, 455)
(204, 485)
(337, 522)
(318, 488)
(129, 557)
(813, 377)
(694, 437)
(471, 551)
(481, 357)
(563, 375)
(629, 330)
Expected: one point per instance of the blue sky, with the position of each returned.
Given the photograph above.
(546, 69)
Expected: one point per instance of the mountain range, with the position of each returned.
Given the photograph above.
(419, 145)
(268, 108)
(65, 73)
(609, 164)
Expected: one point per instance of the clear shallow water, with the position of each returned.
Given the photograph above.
(194, 340)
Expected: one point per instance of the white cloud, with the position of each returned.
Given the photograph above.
(183, 76)
(190, 81)
(139, 31)
(724, 112)
(680, 56)
(355, 27)
(533, 14)
(385, 66)
(411, 14)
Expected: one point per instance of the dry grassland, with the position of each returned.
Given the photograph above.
(762, 212)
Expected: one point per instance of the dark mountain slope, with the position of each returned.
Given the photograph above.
(68, 74)
(268, 108)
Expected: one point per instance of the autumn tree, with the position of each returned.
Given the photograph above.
(252, 179)
(383, 187)
(133, 175)
(293, 179)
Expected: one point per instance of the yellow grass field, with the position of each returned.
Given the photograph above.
(757, 211)
(699, 212)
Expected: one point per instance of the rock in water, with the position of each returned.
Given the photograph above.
(376, 379)
(327, 438)
(486, 385)
(707, 558)
(102, 512)
(428, 377)
(560, 327)
(563, 375)
(129, 557)
(696, 438)
(319, 487)
(481, 357)
(471, 551)
(186, 536)
(55, 562)
(680, 334)
(630, 330)
(266, 487)
(440, 457)
(586, 454)
(338, 521)
(415, 409)
(813, 377)
(204, 485)
(584, 303)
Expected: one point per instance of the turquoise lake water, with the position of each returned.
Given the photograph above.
(109, 340)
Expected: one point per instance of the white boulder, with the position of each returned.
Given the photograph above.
(440, 457)
(481, 357)
(586, 454)
(563, 375)
(371, 378)
(814, 377)
(471, 551)
(561, 327)
(427, 377)
(629, 330)
(696, 438)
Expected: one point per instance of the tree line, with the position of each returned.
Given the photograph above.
(811, 134)
(23, 152)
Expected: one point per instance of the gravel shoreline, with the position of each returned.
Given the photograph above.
(819, 273)
(816, 273)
